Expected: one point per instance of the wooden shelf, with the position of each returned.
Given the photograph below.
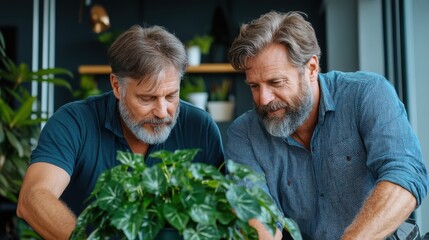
(202, 68)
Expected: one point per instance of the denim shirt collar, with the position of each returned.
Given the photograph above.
(326, 103)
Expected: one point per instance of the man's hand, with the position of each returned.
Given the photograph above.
(263, 233)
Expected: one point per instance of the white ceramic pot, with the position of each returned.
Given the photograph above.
(194, 55)
(221, 111)
(199, 99)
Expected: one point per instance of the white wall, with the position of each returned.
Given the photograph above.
(341, 35)
(420, 87)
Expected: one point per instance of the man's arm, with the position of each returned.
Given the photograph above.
(263, 233)
(39, 203)
(387, 207)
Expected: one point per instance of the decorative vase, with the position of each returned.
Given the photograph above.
(199, 99)
(221, 111)
(194, 55)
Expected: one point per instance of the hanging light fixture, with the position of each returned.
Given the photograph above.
(99, 19)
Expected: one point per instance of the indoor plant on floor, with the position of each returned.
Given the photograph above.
(134, 201)
(19, 125)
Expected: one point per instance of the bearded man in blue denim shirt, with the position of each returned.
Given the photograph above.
(337, 150)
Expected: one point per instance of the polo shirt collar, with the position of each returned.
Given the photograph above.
(112, 115)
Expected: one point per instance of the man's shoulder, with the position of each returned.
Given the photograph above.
(358, 77)
(82, 110)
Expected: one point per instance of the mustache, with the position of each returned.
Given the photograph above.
(272, 106)
(166, 120)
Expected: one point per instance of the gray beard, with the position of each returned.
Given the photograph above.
(294, 117)
(159, 134)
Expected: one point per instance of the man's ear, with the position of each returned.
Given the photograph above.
(115, 85)
(313, 67)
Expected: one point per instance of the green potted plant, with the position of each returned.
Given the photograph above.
(19, 122)
(193, 90)
(88, 87)
(197, 46)
(219, 105)
(198, 201)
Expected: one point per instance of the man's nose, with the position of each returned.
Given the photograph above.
(266, 96)
(160, 108)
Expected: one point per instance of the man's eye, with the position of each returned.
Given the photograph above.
(277, 83)
(171, 97)
(253, 86)
(146, 99)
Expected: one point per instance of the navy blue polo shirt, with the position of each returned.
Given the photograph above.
(83, 137)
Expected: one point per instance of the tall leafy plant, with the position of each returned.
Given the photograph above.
(135, 201)
(19, 124)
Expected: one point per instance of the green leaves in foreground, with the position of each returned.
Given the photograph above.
(134, 201)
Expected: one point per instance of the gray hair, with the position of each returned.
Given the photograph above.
(289, 29)
(142, 53)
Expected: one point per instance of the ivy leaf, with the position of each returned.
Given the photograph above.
(194, 196)
(200, 171)
(130, 159)
(202, 232)
(154, 180)
(110, 196)
(203, 213)
(244, 204)
(152, 223)
(242, 172)
(128, 220)
(293, 228)
(176, 218)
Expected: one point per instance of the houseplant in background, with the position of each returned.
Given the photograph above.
(19, 122)
(87, 87)
(134, 201)
(197, 46)
(220, 104)
(193, 89)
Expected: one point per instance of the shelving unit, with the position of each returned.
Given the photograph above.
(202, 68)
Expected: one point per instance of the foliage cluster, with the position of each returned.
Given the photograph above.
(220, 92)
(19, 118)
(191, 84)
(135, 201)
(204, 42)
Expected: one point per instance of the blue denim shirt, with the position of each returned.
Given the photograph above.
(362, 137)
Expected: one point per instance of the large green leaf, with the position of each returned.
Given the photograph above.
(176, 218)
(110, 196)
(15, 142)
(23, 113)
(154, 180)
(152, 222)
(244, 204)
(128, 219)
(242, 172)
(293, 228)
(6, 111)
(203, 213)
(201, 232)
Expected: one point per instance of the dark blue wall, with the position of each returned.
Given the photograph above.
(76, 44)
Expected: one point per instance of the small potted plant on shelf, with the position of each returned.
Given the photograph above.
(197, 46)
(193, 90)
(195, 201)
(220, 106)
